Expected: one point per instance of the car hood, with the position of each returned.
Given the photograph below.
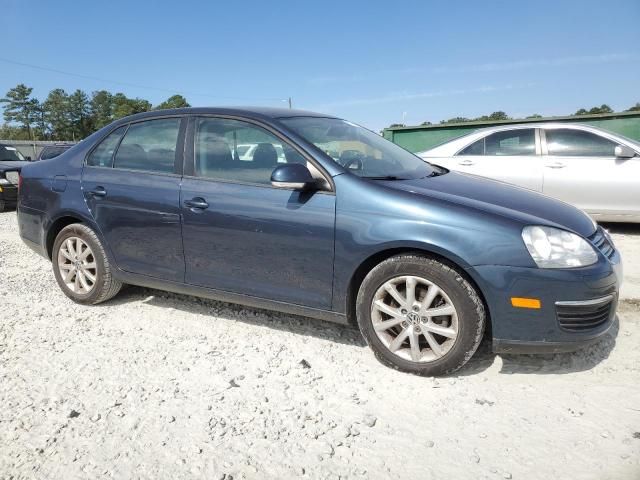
(499, 198)
(12, 165)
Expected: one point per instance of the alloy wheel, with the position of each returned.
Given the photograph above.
(77, 265)
(414, 319)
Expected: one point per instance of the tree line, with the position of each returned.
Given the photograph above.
(496, 116)
(69, 116)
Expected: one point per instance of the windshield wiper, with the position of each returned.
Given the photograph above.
(386, 177)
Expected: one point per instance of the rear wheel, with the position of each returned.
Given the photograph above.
(420, 315)
(81, 267)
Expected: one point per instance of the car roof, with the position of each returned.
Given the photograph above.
(499, 128)
(249, 112)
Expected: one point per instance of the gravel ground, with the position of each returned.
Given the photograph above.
(157, 385)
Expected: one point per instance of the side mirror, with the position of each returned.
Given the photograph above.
(622, 151)
(292, 175)
(28, 159)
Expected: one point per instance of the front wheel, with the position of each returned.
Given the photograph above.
(81, 267)
(420, 315)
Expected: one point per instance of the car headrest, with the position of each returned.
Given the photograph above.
(265, 156)
(213, 155)
(131, 156)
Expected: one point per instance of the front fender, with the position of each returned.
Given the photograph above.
(372, 219)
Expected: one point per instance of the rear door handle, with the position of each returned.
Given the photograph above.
(466, 162)
(556, 165)
(98, 192)
(198, 203)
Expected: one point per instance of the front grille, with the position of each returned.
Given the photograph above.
(602, 243)
(583, 316)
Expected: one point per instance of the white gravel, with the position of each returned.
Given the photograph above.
(157, 385)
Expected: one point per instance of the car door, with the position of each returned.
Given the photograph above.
(511, 156)
(131, 184)
(581, 168)
(241, 234)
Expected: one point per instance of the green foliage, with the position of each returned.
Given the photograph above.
(21, 108)
(455, 120)
(101, 106)
(79, 115)
(604, 108)
(72, 116)
(426, 123)
(11, 132)
(494, 117)
(176, 101)
(124, 106)
(56, 114)
(499, 115)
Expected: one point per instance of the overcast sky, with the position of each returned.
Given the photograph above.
(371, 62)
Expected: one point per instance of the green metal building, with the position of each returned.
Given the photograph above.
(423, 137)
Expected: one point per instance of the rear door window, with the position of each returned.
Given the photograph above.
(507, 143)
(567, 142)
(149, 146)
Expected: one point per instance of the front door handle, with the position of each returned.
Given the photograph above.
(98, 192)
(466, 162)
(556, 165)
(198, 203)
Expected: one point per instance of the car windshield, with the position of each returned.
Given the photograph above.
(359, 150)
(10, 154)
(634, 143)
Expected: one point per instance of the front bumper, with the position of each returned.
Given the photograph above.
(544, 330)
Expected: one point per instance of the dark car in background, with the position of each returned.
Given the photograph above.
(11, 161)
(343, 226)
(52, 151)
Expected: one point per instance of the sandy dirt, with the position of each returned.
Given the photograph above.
(157, 385)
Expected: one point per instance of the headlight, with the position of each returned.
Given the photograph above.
(554, 248)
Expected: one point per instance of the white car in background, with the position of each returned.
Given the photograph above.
(246, 151)
(591, 168)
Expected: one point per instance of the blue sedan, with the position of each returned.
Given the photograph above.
(313, 215)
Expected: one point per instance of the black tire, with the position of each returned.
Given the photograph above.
(470, 310)
(106, 285)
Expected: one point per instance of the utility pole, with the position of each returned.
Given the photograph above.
(290, 103)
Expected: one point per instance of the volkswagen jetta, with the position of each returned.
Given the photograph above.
(342, 226)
